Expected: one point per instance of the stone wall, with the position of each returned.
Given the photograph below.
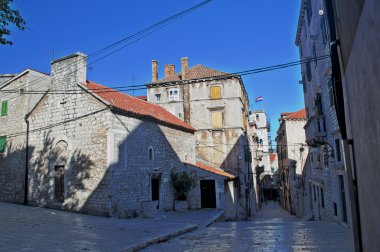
(13, 126)
(359, 33)
(104, 152)
(322, 170)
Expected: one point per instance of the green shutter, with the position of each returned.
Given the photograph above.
(3, 143)
(4, 108)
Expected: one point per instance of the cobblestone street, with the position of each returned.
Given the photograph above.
(273, 229)
(24, 228)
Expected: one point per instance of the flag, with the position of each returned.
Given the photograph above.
(259, 99)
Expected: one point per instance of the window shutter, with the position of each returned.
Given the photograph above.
(3, 143)
(323, 29)
(217, 119)
(4, 108)
(215, 92)
(308, 71)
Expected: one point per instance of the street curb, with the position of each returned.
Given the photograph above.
(160, 238)
(165, 237)
(212, 219)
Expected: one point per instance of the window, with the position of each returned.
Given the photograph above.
(318, 104)
(322, 198)
(151, 153)
(309, 11)
(216, 119)
(304, 83)
(331, 92)
(335, 209)
(315, 194)
(324, 30)
(215, 92)
(337, 150)
(4, 108)
(3, 144)
(173, 94)
(308, 71)
(315, 55)
(158, 97)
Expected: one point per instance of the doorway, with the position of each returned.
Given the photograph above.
(59, 187)
(208, 197)
(155, 187)
(343, 198)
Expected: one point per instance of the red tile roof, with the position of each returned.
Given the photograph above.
(300, 114)
(272, 156)
(142, 97)
(195, 72)
(136, 106)
(212, 170)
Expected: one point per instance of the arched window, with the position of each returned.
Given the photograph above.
(151, 153)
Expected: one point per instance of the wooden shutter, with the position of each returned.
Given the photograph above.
(215, 92)
(4, 108)
(217, 119)
(3, 143)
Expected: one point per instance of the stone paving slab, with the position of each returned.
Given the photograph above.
(24, 228)
(273, 229)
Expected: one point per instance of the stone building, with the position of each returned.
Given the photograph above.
(291, 160)
(260, 142)
(325, 177)
(354, 30)
(216, 104)
(15, 105)
(95, 150)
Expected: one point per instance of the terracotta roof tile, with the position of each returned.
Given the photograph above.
(142, 97)
(212, 170)
(136, 106)
(196, 72)
(300, 114)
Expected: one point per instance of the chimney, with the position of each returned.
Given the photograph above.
(185, 67)
(69, 71)
(169, 70)
(154, 70)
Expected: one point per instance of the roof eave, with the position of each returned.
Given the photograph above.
(300, 22)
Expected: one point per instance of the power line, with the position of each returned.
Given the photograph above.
(143, 86)
(144, 32)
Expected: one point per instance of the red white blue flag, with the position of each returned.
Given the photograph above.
(259, 99)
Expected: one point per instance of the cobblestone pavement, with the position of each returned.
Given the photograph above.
(273, 229)
(24, 228)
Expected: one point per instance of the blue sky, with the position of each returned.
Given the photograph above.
(226, 35)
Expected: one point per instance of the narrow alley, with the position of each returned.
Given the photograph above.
(273, 229)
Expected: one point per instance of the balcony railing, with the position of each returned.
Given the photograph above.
(315, 129)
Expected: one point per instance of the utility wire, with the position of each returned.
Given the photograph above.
(143, 86)
(145, 32)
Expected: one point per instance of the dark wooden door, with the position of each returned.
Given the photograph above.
(59, 183)
(208, 197)
(155, 189)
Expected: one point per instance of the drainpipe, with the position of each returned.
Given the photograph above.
(26, 161)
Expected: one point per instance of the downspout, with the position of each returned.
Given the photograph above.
(26, 184)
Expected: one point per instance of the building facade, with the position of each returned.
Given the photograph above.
(94, 150)
(216, 104)
(16, 103)
(261, 145)
(354, 31)
(325, 177)
(291, 160)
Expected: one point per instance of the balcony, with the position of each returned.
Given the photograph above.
(315, 129)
